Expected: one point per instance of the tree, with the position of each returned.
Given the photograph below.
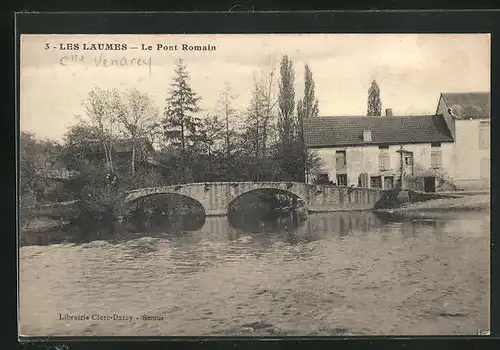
(306, 109)
(227, 112)
(286, 103)
(288, 135)
(137, 119)
(37, 159)
(253, 122)
(260, 114)
(181, 123)
(374, 101)
(213, 134)
(267, 88)
(81, 145)
(104, 108)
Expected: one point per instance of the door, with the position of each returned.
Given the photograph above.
(429, 184)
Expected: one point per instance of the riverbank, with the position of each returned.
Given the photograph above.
(42, 231)
(469, 202)
(38, 225)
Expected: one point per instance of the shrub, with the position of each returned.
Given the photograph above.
(101, 201)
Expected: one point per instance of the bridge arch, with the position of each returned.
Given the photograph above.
(169, 211)
(270, 190)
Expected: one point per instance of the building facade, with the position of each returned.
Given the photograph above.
(446, 151)
(375, 151)
(468, 118)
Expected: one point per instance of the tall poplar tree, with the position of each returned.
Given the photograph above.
(286, 102)
(288, 138)
(307, 108)
(374, 101)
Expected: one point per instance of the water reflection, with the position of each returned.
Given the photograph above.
(166, 213)
(291, 228)
(341, 224)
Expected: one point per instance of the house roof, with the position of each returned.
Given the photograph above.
(348, 131)
(475, 105)
(122, 146)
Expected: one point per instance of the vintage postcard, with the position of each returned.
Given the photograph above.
(254, 185)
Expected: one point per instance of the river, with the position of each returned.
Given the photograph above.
(345, 273)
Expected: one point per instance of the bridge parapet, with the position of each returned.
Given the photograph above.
(216, 197)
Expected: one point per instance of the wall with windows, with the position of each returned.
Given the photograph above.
(379, 166)
(471, 168)
(471, 155)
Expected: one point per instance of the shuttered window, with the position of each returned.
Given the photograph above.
(340, 157)
(484, 135)
(384, 161)
(436, 159)
(342, 179)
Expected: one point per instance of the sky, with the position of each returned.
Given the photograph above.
(411, 70)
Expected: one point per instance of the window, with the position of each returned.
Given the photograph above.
(367, 136)
(383, 147)
(484, 135)
(322, 179)
(384, 161)
(376, 182)
(436, 159)
(485, 168)
(342, 179)
(340, 159)
(408, 160)
(436, 144)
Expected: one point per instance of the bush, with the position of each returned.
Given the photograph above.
(101, 201)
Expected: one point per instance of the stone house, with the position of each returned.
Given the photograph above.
(374, 151)
(446, 151)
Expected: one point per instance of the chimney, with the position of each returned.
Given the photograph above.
(367, 136)
(388, 112)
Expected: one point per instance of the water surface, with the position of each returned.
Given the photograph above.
(351, 273)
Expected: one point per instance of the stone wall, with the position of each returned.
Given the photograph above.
(323, 198)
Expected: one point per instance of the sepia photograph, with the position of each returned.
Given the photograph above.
(263, 185)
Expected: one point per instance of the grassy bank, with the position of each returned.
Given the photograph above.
(42, 225)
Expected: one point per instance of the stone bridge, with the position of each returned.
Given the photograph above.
(217, 197)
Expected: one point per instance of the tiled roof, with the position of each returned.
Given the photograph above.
(348, 131)
(469, 104)
(122, 146)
